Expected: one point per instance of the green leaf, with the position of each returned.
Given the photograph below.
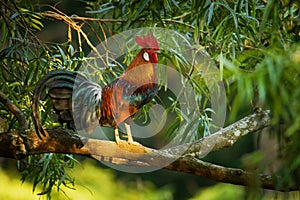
(210, 13)
(234, 16)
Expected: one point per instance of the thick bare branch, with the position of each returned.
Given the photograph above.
(226, 137)
(61, 140)
(192, 165)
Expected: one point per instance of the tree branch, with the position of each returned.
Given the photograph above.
(225, 137)
(15, 110)
(192, 165)
(60, 140)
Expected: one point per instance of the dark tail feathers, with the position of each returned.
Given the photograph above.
(58, 85)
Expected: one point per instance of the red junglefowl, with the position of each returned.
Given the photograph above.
(81, 102)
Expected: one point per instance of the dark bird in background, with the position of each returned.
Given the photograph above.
(80, 102)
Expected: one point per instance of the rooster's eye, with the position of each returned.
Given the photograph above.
(146, 56)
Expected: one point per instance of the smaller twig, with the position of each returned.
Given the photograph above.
(51, 14)
(58, 16)
(15, 110)
(69, 20)
(183, 15)
(178, 22)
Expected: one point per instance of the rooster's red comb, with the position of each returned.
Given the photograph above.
(147, 41)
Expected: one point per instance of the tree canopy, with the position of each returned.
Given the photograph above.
(255, 45)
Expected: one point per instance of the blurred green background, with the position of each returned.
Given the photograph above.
(94, 182)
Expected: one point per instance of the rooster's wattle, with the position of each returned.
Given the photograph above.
(81, 102)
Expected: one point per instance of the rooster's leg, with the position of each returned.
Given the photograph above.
(128, 131)
(117, 137)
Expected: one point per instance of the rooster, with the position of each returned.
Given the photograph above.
(81, 102)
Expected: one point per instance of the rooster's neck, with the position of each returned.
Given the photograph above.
(140, 71)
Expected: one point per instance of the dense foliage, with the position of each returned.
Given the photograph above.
(254, 43)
